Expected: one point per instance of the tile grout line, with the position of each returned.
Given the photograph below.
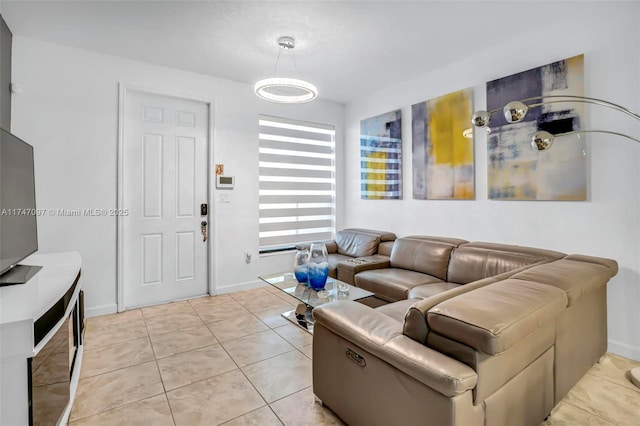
(155, 359)
(115, 343)
(280, 419)
(252, 411)
(166, 397)
(164, 388)
(116, 408)
(246, 378)
(239, 337)
(222, 319)
(292, 393)
(174, 303)
(596, 376)
(591, 414)
(173, 418)
(180, 329)
(287, 340)
(271, 357)
(120, 368)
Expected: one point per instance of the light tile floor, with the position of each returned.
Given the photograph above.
(233, 360)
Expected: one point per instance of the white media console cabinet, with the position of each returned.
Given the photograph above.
(41, 324)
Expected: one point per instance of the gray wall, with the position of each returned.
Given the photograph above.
(5, 75)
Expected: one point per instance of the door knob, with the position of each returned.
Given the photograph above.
(203, 230)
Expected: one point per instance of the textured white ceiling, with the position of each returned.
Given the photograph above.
(346, 48)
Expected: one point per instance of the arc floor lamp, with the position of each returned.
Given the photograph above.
(516, 111)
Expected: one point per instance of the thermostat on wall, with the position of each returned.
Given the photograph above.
(225, 182)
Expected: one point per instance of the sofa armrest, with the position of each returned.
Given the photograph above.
(382, 336)
(385, 248)
(347, 269)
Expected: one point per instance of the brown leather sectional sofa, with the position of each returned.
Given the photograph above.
(477, 334)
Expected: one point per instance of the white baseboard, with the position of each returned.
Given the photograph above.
(95, 311)
(623, 349)
(248, 285)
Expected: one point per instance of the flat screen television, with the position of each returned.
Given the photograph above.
(18, 228)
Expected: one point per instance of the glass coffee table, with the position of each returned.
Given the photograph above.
(309, 299)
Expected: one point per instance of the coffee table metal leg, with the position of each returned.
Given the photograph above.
(301, 316)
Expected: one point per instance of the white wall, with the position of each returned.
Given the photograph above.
(607, 225)
(68, 110)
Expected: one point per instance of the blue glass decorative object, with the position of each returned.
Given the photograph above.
(318, 266)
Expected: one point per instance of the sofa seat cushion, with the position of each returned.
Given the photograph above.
(392, 284)
(576, 278)
(493, 318)
(357, 244)
(424, 291)
(396, 310)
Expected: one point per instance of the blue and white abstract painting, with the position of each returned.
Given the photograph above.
(381, 157)
(515, 170)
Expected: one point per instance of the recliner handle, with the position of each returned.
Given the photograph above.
(356, 357)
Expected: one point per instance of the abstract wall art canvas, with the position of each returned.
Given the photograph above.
(381, 157)
(515, 170)
(442, 157)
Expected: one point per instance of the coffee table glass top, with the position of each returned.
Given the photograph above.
(310, 297)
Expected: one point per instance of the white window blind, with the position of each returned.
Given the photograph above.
(297, 182)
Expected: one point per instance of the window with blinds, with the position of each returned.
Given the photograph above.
(297, 183)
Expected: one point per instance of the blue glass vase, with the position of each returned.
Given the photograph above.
(301, 267)
(318, 266)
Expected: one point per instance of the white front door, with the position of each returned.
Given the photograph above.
(165, 163)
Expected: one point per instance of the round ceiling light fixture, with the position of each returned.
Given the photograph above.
(283, 89)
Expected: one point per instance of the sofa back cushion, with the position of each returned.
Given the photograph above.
(479, 260)
(357, 244)
(449, 240)
(384, 235)
(493, 318)
(577, 278)
(422, 255)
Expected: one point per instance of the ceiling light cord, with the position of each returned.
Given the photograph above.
(275, 67)
(295, 64)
